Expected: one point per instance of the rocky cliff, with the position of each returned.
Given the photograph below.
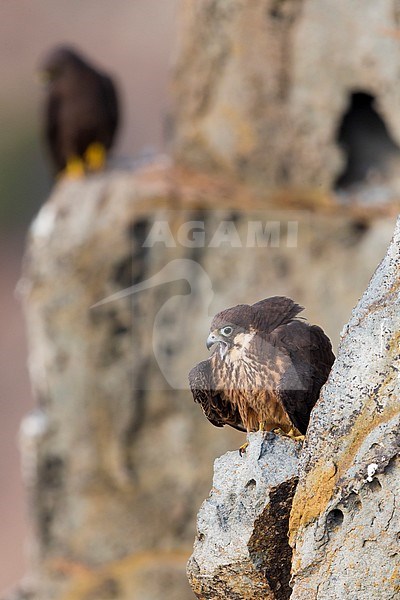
(289, 93)
(117, 457)
(344, 517)
(242, 548)
(124, 270)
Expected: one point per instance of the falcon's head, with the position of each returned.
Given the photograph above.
(59, 62)
(229, 328)
(235, 327)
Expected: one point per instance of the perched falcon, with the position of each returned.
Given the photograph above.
(81, 112)
(266, 369)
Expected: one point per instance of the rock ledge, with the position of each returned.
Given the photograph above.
(242, 549)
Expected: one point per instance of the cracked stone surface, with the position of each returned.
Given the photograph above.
(241, 549)
(345, 520)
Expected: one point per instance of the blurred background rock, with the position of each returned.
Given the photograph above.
(130, 39)
(244, 126)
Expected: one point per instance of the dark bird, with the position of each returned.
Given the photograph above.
(266, 369)
(81, 113)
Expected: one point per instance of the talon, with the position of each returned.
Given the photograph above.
(74, 168)
(95, 156)
(242, 448)
(279, 431)
(293, 434)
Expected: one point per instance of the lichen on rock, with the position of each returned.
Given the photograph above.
(345, 517)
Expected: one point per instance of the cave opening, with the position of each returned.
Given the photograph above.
(366, 141)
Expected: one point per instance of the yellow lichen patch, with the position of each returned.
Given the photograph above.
(362, 428)
(314, 493)
(304, 198)
(395, 579)
(311, 497)
(85, 580)
(394, 345)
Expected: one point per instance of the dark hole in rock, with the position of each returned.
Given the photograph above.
(352, 502)
(375, 485)
(352, 233)
(366, 141)
(269, 545)
(123, 272)
(51, 472)
(360, 226)
(138, 230)
(282, 10)
(334, 519)
(169, 350)
(251, 484)
(120, 330)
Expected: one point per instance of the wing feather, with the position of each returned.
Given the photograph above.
(310, 361)
(273, 312)
(52, 131)
(218, 410)
(110, 104)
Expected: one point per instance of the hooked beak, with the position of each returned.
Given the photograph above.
(212, 339)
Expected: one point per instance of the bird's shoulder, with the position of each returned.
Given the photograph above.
(271, 313)
(304, 341)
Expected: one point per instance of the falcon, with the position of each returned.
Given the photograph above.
(81, 112)
(266, 368)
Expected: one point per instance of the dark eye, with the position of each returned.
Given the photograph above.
(226, 331)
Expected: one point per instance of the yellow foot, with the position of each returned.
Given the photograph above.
(293, 434)
(261, 426)
(243, 448)
(74, 168)
(279, 431)
(95, 156)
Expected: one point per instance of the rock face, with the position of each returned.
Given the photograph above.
(125, 270)
(116, 443)
(100, 453)
(262, 87)
(115, 418)
(242, 549)
(345, 517)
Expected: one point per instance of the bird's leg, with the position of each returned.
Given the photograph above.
(95, 156)
(243, 448)
(74, 168)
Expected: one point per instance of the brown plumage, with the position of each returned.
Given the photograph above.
(267, 368)
(81, 109)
